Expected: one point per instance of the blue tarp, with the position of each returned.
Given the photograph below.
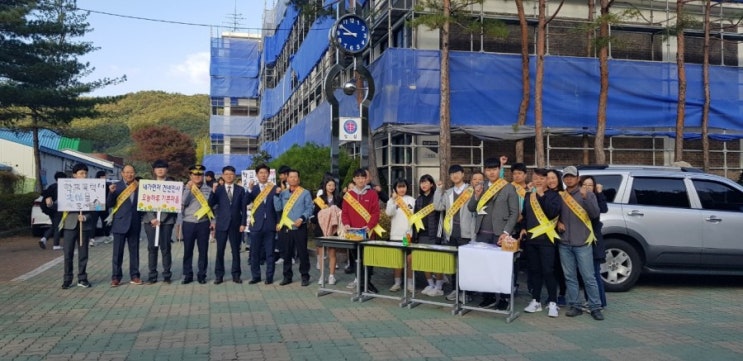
(272, 45)
(235, 67)
(315, 127)
(220, 125)
(215, 162)
(485, 91)
(312, 49)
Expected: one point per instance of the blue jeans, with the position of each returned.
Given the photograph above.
(580, 258)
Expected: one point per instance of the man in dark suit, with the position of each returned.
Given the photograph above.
(125, 224)
(230, 214)
(262, 223)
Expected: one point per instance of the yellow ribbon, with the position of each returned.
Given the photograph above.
(205, 210)
(546, 226)
(580, 213)
(258, 201)
(61, 222)
(458, 204)
(351, 200)
(417, 218)
(285, 220)
(123, 197)
(408, 213)
(490, 193)
(521, 191)
(320, 203)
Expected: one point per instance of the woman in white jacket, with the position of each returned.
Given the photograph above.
(399, 227)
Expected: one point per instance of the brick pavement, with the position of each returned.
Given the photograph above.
(40, 321)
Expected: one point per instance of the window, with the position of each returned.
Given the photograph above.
(610, 184)
(659, 192)
(718, 196)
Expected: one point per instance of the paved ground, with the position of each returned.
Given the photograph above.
(659, 320)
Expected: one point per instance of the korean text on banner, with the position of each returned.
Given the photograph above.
(75, 194)
(159, 196)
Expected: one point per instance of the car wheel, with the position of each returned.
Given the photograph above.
(622, 267)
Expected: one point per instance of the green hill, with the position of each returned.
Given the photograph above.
(110, 132)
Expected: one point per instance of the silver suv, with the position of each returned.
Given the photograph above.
(668, 220)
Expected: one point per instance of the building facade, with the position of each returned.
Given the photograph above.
(485, 84)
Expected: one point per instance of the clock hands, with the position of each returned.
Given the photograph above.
(347, 32)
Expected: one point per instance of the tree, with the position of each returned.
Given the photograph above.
(40, 74)
(440, 15)
(167, 143)
(678, 152)
(542, 22)
(525, 87)
(313, 161)
(603, 49)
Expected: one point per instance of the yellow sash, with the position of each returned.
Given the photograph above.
(320, 203)
(418, 217)
(490, 193)
(258, 201)
(521, 191)
(348, 198)
(580, 213)
(458, 204)
(205, 210)
(285, 220)
(408, 213)
(61, 222)
(123, 197)
(546, 226)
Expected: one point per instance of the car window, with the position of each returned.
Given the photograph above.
(718, 196)
(610, 184)
(660, 192)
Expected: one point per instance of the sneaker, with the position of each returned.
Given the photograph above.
(66, 285)
(597, 315)
(396, 287)
(435, 292)
(411, 288)
(91, 243)
(319, 281)
(552, 310)
(533, 306)
(42, 243)
(136, 281)
(426, 290)
(452, 295)
(352, 285)
(331, 280)
(294, 261)
(83, 284)
(573, 312)
(57, 248)
(279, 261)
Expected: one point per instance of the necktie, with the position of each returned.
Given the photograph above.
(229, 192)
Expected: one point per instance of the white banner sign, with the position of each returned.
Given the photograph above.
(350, 129)
(159, 196)
(75, 194)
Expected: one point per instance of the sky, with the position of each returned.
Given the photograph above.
(156, 55)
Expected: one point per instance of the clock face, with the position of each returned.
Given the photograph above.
(351, 34)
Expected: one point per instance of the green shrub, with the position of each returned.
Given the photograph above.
(10, 182)
(16, 210)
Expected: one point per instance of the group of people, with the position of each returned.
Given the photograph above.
(559, 227)
(272, 212)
